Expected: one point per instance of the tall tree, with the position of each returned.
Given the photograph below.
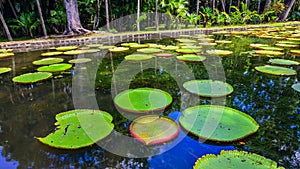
(258, 6)
(5, 27)
(223, 5)
(285, 13)
(156, 15)
(267, 4)
(107, 15)
(74, 26)
(138, 14)
(97, 16)
(41, 17)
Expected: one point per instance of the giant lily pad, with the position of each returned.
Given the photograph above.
(269, 52)
(208, 88)
(138, 46)
(295, 52)
(149, 50)
(48, 61)
(188, 51)
(66, 48)
(152, 129)
(80, 60)
(164, 55)
(51, 53)
(6, 55)
(270, 48)
(257, 45)
(276, 70)
(78, 52)
(129, 44)
(119, 49)
(143, 100)
(235, 160)
(55, 67)
(191, 58)
(6, 50)
(207, 44)
(32, 77)
(223, 41)
(296, 87)
(139, 57)
(186, 40)
(283, 62)
(219, 52)
(230, 124)
(79, 128)
(170, 47)
(4, 70)
(106, 47)
(285, 45)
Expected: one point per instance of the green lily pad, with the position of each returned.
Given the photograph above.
(293, 39)
(295, 52)
(48, 61)
(186, 40)
(32, 77)
(208, 88)
(191, 58)
(94, 45)
(51, 54)
(207, 44)
(80, 60)
(66, 48)
(270, 48)
(231, 125)
(6, 50)
(149, 50)
(78, 52)
(188, 51)
(4, 70)
(185, 44)
(209, 40)
(235, 160)
(223, 41)
(153, 45)
(79, 128)
(170, 47)
(269, 52)
(139, 57)
(164, 55)
(219, 52)
(296, 87)
(129, 44)
(55, 67)
(257, 45)
(191, 47)
(276, 70)
(138, 46)
(153, 129)
(289, 42)
(143, 100)
(6, 55)
(106, 47)
(285, 45)
(119, 49)
(283, 62)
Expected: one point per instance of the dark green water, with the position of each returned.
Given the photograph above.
(27, 111)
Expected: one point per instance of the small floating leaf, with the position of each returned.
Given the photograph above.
(79, 128)
(188, 51)
(4, 70)
(119, 49)
(143, 100)
(219, 52)
(191, 58)
(78, 52)
(48, 61)
(296, 87)
(230, 124)
(283, 62)
(152, 129)
(276, 70)
(208, 88)
(235, 160)
(55, 67)
(139, 57)
(80, 60)
(32, 77)
(51, 53)
(66, 48)
(269, 52)
(149, 50)
(6, 55)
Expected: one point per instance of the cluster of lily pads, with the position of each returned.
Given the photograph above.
(5, 53)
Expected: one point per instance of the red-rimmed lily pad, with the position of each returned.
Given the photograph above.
(139, 57)
(143, 100)
(188, 50)
(219, 52)
(296, 87)
(283, 62)
(164, 55)
(235, 160)
(48, 61)
(276, 70)
(66, 48)
(208, 88)
(269, 53)
(80, 60)
(60, 67)
(106, 47)
(4, 70)
(29, 78)
(218, 123)
(79, 128)
(191, 58)
(149, 50)
(153, 129)
(46, 54)
(6, 55)
(119, 49)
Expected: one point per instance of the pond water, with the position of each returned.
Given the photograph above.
(28, 111)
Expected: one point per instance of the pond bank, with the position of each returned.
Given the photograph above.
(111, 39)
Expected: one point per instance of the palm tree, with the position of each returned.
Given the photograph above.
(41, 17)
(4, 23)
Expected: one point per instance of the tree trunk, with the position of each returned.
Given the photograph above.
(239, 4)
(74, 26)
(285, 13)
(156, 15)
(5, 27)
(268, 2)
(223, 5)
(97, 16)
(258, 6)
(41, 17)
(138, 15)
(229, 8)
(13, 9)
(247, 4)
(107, 15)
(213, 5)
(197, 7)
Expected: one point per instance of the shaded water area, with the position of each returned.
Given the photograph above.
(28, 111)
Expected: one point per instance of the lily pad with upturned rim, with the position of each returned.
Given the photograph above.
(269, 53)
(224, 41)
(119, 49)
(295, 52)
(296, 87)
(138, 46)
(149, 50)
(143, 100)
(186, 40)
(29, 78)
(188, 50)
(128, 44)
(60, 67)
(79, 128)
(170, 47)
(66, 48)
(153, 129)
(276, 70)
(257, 45)
(4, 70)
(78, 52)
(235, 160)
(285, 45)
(6, 50)
(270, 48)
(283, 62)
(208, 88)
(207, 44)
(48, 61)
(106, 47)
(6, 55)
(51, 54)
(139, 57)
(219, 52)
(80, 60)
(191, 58)
(229, 124)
